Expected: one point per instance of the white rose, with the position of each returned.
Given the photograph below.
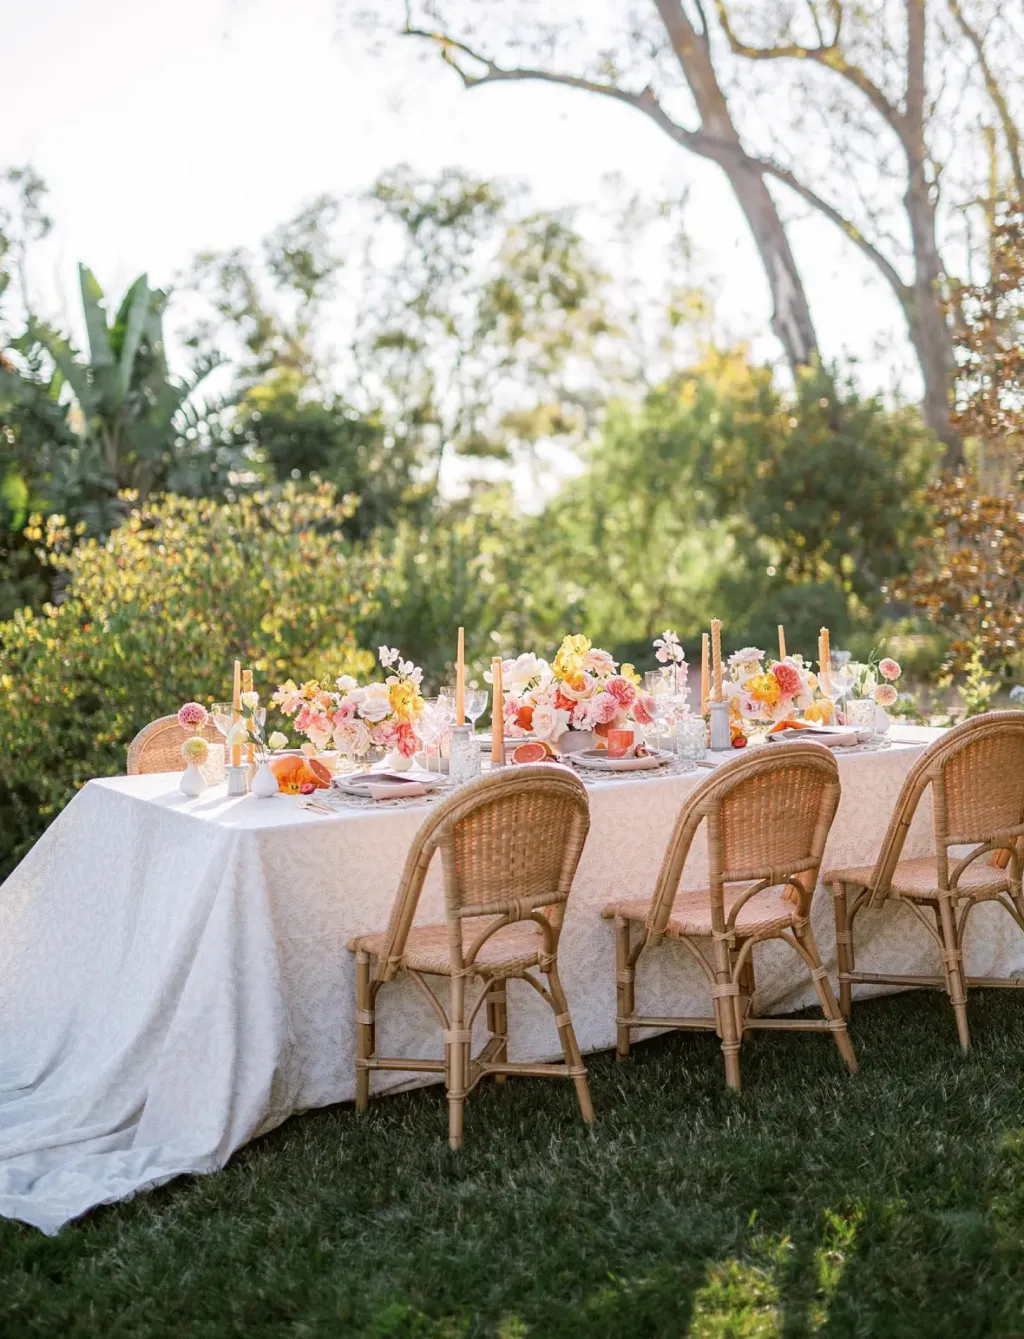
(278, 741)
(549, 723)
(251, 700)
(351, 736)
(599, 662)
(345, 683)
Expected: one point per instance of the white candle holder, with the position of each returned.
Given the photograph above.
(721, 735)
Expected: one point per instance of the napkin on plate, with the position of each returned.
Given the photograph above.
(390, 790)
(833, 736)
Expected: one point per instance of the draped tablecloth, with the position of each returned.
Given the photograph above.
(174, 978)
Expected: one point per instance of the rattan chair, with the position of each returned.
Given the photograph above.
(509, 844)
(976, 775)
(767, 816)
(157, 746)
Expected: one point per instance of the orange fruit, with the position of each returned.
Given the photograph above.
(292, 770)
(534, 751)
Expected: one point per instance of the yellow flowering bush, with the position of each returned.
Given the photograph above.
(154, 616)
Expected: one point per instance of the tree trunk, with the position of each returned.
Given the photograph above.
(791, 317)
(926, 319)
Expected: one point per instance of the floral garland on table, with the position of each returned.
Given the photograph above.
(357, 718)
(582, 689)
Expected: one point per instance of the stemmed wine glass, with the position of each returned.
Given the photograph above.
(476, 702)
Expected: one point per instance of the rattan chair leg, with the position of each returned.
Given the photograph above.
(826, 998)
(952, 966)
(731, 1035)
(457, 1046)
(844, 948)
(497, 1022)
(364, 1029)
(625, 987)
(570, 1046)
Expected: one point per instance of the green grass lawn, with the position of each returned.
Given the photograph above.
(889, 1204)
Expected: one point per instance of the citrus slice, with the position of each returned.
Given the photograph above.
(321, 772)
(788, 724)
(535, 751)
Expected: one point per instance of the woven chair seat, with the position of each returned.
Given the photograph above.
(918, 879)
(691, 912)
(511, 949)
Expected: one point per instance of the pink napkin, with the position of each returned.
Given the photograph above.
(392, 791)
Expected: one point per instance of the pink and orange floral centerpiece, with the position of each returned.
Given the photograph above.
(363, 722)
(575, 701)
(762, 695)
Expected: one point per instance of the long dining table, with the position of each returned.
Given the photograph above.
(174, 978)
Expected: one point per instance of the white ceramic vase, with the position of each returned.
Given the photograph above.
(396, 762)
(264, 783)
(192, 781)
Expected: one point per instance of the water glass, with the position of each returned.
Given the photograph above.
(860, 713)
(465, 763)
(690, 739)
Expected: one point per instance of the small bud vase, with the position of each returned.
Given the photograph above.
(264, 783)
(192, 782)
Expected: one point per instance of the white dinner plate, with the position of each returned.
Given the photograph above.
(597, 760)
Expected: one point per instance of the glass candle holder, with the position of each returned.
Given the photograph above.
(465, 762)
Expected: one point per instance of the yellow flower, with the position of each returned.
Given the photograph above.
(628, 672)
(763, 688)
(402, 695)
(568, 663)
(820, 711)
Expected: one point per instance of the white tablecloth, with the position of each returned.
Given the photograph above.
(174, 977)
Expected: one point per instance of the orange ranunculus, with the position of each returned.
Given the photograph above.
(524, 717)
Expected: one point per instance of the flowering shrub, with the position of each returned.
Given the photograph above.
(155, 615)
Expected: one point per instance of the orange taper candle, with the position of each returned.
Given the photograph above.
(460, 680)
(716, 656)
(782, 642)
(497, 713)
(704, 674)
(236, 711)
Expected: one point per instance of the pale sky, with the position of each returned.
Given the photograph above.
(163, 129)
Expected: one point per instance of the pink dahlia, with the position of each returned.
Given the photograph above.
(643, 709)
(604, 708)
(192, 715)
(622, 689)
(788, 679)
(889, 669)
(885, 695)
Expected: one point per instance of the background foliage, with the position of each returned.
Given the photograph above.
(458, 409)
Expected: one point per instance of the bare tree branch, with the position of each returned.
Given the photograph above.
(997, 97)
(644, 101)
(848, 228)
(827, 54)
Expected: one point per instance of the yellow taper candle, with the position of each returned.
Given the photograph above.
(716, 657)
(782, 642)
(704, 679)
(236, 704)
(460, 680)
(497, 713)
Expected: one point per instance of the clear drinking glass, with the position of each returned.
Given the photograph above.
(860, 713)
(222, 714)
(465, 762)
(656, 682)
(476, 703)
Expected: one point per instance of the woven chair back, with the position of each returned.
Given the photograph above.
(976, 774)
(509, 844)
(767, 817)
(157, 746)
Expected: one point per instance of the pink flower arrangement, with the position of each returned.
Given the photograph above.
(192, 716)
(889, 669)
(885, 694)
(788, 678)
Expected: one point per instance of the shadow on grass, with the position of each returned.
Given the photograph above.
(890, 1203)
